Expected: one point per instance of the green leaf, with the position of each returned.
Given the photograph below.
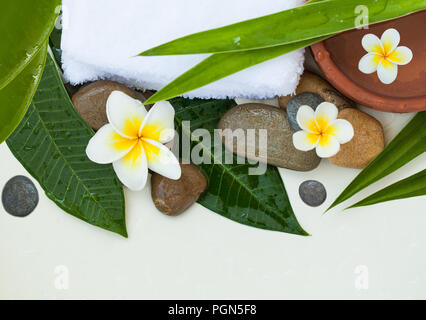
(50, 143)
(25, 26)
(406, 146)
(17, 95)
(413, 186)
(55, 45)
(318, 19)
(221, 65)
(259, 201)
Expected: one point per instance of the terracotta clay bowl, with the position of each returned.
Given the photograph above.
(338, 58)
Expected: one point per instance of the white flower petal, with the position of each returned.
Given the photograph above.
(401, 56)
(372, 44)
(306, 119)
(132, 170)
(125, 114)
(325, 114)
(368, 63)
(305, 141)
(390, 40)
(107, 146)
(387, 71)
(158, 125)
(328, 146)
(161, 159)
(342, 130)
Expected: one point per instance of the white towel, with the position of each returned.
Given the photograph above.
(101, 37)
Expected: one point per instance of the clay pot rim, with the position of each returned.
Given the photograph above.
(359, 94)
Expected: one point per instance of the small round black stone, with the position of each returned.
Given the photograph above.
(310, 99)
(312, 193)
(20, 196)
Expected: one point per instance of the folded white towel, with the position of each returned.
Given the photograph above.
(101, 37)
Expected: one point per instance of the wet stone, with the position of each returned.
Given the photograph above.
(172, 197)
(280, 150)
(367, 143)
(312, 193)
(90, 101)
(20, 196)
(310, 99)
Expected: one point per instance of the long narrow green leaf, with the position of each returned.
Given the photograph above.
(259, 201)
(221, 65)
(50, 143)
(413, 186)
(17, 95)
(406, 146)
(323, 18)
(25, 26)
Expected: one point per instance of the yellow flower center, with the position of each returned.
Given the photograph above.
(321, 130)
(385, 54)
(138, 141)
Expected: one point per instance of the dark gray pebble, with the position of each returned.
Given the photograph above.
(20, 196)
(310, 99)
(313, 193)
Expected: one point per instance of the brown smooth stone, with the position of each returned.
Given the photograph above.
(280, 149)
(172, 197)
(310, 82)
(90, 101)
(367, 143)
(339, 56)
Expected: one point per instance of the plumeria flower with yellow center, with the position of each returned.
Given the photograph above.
(321, 130)
(133, 140)
(384, 55)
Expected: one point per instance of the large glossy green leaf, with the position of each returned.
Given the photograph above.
(413, 186)
(17, 95)
(406, 146)
(259, 201)
(221, 65)
(50, 143)
(322, 18)
(25, 26)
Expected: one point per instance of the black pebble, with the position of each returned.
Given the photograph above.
(310, 99)
(20, 196)
(313, 193)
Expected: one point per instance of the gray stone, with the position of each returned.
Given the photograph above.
(20, 196)
(312, 193)
(310, 99)
(280, 150)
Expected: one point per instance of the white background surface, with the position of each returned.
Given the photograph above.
(200, 255)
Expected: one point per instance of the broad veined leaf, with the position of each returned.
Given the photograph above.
(50, 143)
(25, 27)
(55, 44)
(406, 146)
(413, 186)
(17, 95)
(221, 65)
(321, 18)
(259, 201)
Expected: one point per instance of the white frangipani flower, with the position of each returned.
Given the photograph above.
(321, 130)
(133, 140)
(384, 55)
